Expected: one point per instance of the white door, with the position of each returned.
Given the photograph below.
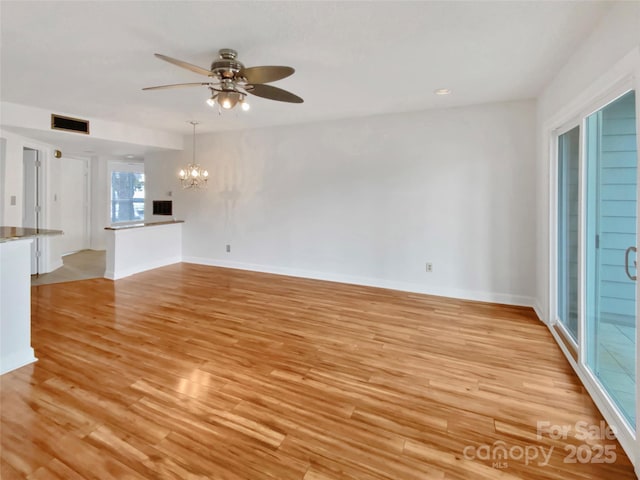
(74, 205)
(31, 206)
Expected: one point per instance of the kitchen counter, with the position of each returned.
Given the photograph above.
(8, 234)
(138, 247)
(127, 226)
(15, 295)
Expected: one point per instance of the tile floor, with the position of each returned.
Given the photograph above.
(81, 265)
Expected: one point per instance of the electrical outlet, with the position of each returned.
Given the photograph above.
(429, 267)
(228, 248)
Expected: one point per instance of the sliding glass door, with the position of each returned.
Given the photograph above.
(611, 219)
(568, 234)
(596, 241)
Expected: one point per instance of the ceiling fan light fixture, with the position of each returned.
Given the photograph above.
(228, 100)
(230, 82)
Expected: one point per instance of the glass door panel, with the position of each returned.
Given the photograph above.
(610, 240)
(568, 234)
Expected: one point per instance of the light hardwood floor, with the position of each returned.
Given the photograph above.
(190, 372)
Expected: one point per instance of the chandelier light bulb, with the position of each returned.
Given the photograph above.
(194, 173)
(205, 174)
(182, 174)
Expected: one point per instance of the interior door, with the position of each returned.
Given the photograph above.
(31, 204)
(74, 207)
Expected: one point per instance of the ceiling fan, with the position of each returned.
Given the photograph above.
(230, 81)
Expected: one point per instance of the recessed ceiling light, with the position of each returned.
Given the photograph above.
(129, 156)
(442, 91)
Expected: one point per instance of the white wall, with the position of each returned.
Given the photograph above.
(370, 200)
(12, 179)
(600, 55)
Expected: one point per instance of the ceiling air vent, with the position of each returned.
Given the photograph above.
(68, 124)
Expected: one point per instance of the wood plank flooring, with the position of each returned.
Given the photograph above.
(194, 372)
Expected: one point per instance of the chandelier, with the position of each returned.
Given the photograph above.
(193, 175)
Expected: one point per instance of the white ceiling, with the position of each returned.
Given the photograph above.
(352, 58)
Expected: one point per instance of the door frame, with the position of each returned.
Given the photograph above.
(48, 260)
(617, 81)
(554, 321)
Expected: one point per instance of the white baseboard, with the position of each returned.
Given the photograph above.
(132, 270)
(492, 297)
(16, 360)
(53, 265)
(539, 312)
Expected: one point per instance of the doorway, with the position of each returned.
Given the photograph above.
(595, 246)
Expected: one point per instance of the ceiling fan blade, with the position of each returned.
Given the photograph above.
(273, 93)
(176, 85)
(180, 63)
(266, 74)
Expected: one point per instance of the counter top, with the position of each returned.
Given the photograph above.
(141, 224)
(8, 234)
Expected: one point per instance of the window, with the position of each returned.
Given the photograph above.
(127, 193)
